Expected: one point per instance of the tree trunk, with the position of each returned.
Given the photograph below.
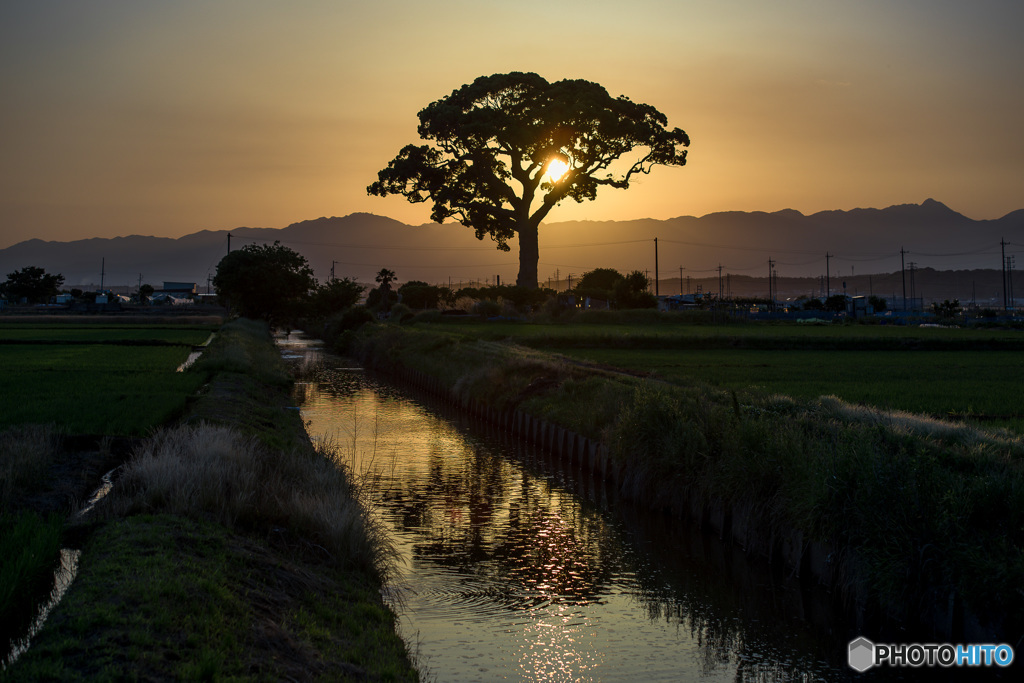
(529, 254)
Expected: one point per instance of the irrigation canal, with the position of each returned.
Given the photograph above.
(512, 568)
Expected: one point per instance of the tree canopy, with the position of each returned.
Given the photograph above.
(265, 281)
(621, 291)
(496, 139)
(33, 284)
(335, 296)
(600, 280)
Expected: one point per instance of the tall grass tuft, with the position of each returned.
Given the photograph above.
(303, 496)
(26, 453)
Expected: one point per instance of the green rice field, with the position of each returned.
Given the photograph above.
(983, 386)
(96, 379)
(103, 334)
(969, 374)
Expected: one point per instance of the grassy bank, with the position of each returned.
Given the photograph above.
(229, 549)
(916, 510)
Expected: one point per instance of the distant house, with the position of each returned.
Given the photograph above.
(679, 302)
(859, 307)
(180, 289)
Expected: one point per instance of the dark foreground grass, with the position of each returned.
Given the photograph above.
(917, 509)
(168, 598)
(30, 547)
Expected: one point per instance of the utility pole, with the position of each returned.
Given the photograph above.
(103, 271)
(771, 294)
(1010, 263)
(719, 281)
(913, 290)
(680, 280)
(229, 242)
(903, 272)
(1002, 247)
(655, 266)
(332, 270)
(828, 275)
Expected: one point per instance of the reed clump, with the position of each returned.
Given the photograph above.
(26, 454)
(303, 496)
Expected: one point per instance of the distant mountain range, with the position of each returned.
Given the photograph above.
(846, 245)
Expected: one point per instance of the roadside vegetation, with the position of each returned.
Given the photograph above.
(920, 513)
(230, 548)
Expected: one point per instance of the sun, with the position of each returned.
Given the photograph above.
(556, 169)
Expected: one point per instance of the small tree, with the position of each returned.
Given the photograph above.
(814, 304)
(33, 284)
(419, 295)
(385, 277)
(597, 284)
(631, 292)
(836, 303)
(947, 309)
(145, 291)
(877, 303)
(336, 296)
(599, 279)
(383, 298)
(271, 282)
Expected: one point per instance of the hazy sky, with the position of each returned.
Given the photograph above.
(163, 118)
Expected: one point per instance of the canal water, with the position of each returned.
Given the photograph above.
(513, 569)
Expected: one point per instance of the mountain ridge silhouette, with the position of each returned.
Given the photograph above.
(741, 242)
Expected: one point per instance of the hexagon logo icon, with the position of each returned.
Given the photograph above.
(861, 656)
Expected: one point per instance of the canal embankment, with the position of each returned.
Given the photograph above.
(229, 547)
(914, 524)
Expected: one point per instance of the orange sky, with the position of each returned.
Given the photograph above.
(124, 117)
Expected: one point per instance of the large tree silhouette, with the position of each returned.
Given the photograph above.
(496, 139)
